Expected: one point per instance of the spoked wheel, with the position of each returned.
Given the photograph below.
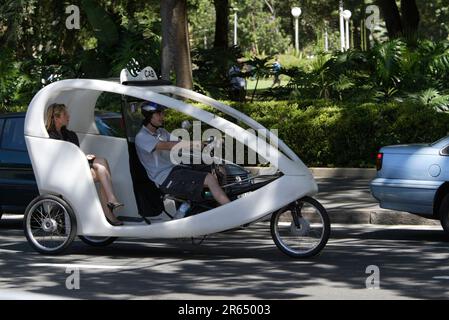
(97, 241)
(301, 229)
(49, 224)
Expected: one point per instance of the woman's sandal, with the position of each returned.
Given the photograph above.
(112, 206)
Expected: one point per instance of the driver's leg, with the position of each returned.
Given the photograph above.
(218, 193)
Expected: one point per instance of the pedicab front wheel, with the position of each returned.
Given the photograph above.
(97, 241)
(301, 229)
(49, 224)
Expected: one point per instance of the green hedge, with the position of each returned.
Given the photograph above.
(323, 133)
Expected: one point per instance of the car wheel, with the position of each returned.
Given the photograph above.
(444, 213)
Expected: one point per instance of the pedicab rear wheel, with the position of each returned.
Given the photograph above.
(301, 229)
(97, 241)
(49, 224)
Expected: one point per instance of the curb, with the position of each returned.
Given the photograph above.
(379, 217)
(354, 173)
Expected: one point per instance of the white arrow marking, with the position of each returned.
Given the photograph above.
(80, 266)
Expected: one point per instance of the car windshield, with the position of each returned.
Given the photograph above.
(446, 138)
(110, 124)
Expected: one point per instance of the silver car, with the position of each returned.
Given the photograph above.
(414, 178)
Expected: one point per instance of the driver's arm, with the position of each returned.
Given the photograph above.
(168, 145)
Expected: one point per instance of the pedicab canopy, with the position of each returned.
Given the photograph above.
(80, 97)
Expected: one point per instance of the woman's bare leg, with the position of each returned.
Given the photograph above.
(219, 195)
(104, 200)
(103, 174)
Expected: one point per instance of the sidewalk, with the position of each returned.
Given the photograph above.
(345, 194)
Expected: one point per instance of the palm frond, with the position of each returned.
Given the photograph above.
(440, 63)
(387, 59)
(385, 94)
(432, 98)
(344, 83)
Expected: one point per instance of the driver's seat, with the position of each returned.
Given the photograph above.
(148, 196)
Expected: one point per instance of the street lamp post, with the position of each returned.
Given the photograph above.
(342, 27)
(326, 37)
(235, 26)
(296, 12)
(347, 15)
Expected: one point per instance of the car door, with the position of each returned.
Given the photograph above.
(17, 182)
(1, 160)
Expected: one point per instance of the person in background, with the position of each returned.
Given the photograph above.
(237, 83)
(276, 71)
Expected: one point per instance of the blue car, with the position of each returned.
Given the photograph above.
(17, 183)
(414, 178)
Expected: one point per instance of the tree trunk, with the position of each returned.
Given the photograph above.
(167, 38)
(221, 23)
(392, 18)
(410, 17)
(175, 43)
(182, 63)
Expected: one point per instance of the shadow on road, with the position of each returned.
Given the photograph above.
(242, 263)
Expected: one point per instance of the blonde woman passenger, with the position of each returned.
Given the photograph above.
(56, 123)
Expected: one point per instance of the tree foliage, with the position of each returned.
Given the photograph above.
(389, 71)
(37, 48)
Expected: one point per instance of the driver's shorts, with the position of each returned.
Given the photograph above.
(185, 183)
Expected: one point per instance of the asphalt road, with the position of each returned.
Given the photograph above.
(242, 264)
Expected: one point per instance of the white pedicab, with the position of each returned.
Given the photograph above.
(69, 205)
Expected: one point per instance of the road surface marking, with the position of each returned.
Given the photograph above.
(441, 278)
(80, 266)
(14, 294)
(9, 251)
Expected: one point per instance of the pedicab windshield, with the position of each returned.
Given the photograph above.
(174, 120)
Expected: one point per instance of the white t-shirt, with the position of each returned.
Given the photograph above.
(157, 163)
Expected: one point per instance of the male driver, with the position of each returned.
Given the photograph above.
(153, 145)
